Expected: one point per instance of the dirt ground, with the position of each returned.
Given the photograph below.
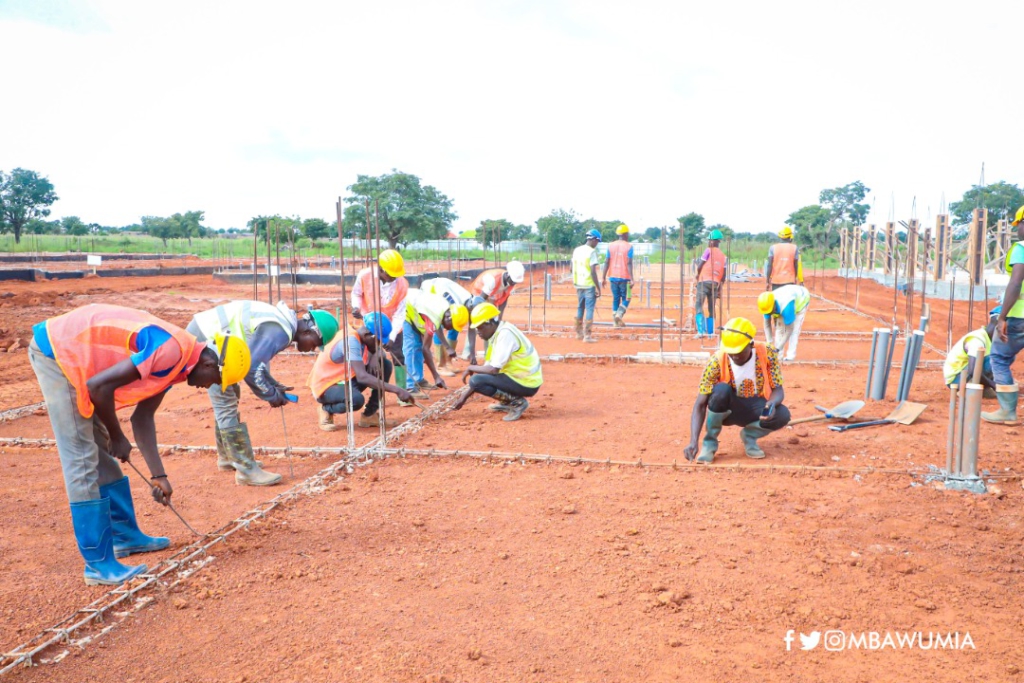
(545, 572)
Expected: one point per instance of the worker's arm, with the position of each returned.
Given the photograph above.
(697, 416)
(473, 370)
(768, 272)
(797, 269)
(972, 361)
(357, 298)
(368, 379)
(266, 342)
(700, 267)
(101, 387)
(629, 264)
(597, 282)
(144, 430)
(776, 398)
(725, 272)
(1009, 299)
(428, 359)
(604, 271)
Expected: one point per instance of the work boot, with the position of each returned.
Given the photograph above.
(223, 460)
(749, 435)
(374, 421)
(709, 326)
(622, 316)
(418, 394)
(1007, 413)
(128, 538)
(504, 403)
(247, 471)
(326, 422)
(445, 372)
(579, 327)
(615, 319)
(713, 427)
(94, 534)
(588, 329)
(989, 392)
(700, 325)
(517, 407)
(424, 384)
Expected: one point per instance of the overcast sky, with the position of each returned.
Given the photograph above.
(634, 111)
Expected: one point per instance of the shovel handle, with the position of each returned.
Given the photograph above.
(813, 418)
(857, 425)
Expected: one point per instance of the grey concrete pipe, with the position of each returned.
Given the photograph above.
(878, 371)
(972, 422)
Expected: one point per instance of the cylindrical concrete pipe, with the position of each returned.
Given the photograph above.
(951, 435)
(547, 286)
(915, 343)
(888, 360)
(878, 372)
(962, 394)
(908, 351)
(871, 362)
(972, 421)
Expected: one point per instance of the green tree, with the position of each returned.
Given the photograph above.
(494, 230)
(24, 195)
(159, 227)
(73, 225)
(999, 198)
(316, 228)
(692, 225)
(405, 210)
(653, 234)
(844, 204)
(811, 224)
(606, 228)
(561, 229)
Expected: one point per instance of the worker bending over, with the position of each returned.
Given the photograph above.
(1009, 332)
(741, 386)
(710, 277)
(784, 311)
(964, 354)
(620, 267)
(511, 370)
(784, 267)
(90, 363)
(494, 285)
(384, 289)
(425, 314)
(453, 293)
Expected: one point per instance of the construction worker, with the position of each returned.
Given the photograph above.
(711, 273)
(784, 267)
(90, 363)
(620, 267)
(964, 354)
(741, 386)
(1009, 331)
(496, 286)
(453, 293)
(350, 363)
(384, 289)
(511, 370)
(425, 314)
(585, 260)
(267, 330)
(784, 311)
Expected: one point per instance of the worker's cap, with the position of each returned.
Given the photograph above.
(786, 232)
(378, 324)
(233, 358)
(483, 313)
(715, 235)
(622, 230)
(516, 270)
(737, 334)
(593, 234)
(324, 324)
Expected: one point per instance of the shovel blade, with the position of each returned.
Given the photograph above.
(906, 412)
(845, 411)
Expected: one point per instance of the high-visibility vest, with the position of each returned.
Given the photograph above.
(241, 318)
(783, 263)
(370, 281)
(798, 295)
(93, 338)
(958, 358)
(452, 292)
(421, 307)
(524, 364)
(501, 293)
(714, 267)
(581, 276)
(1017, 311)
(326, 372)
(725, 368)
(618, 259)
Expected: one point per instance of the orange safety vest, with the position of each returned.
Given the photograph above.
(784, 263)
(501, 292)
(93, 338)
(618, 259)
(714, 267)
(369, 280)
(326, 372)
(725, 368)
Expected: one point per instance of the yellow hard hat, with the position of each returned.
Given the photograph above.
(737, 334)
(622, 230)
(786, 232)
(1018, 217)
(460, 316)
(232, 357)
(392, 263)
(766, 303)
(482, 313)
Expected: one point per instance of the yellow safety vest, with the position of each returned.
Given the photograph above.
(581, 276)
(958, 358)
(1018, 308)
(241, 318)
(419, 304)
(524, 364)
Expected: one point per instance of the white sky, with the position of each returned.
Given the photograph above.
(636, 111)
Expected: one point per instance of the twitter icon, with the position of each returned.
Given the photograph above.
(810, 642)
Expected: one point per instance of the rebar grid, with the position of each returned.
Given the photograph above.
(15, 413)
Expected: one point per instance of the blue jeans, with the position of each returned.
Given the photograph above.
(619, 288)
(587, 297)
(1004, 353)
(412, 349)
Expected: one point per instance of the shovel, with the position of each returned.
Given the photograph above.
(843, 411)
(905, 414)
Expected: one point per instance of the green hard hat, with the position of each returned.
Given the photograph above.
(326, 324)
(716, 235)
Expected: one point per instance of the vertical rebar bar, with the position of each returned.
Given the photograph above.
(661, 317)
(270, 282)
(349, 419)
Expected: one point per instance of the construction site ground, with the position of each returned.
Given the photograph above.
(442, 568)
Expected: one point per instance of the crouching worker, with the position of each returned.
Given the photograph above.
(90, 363)
(964, 354)
(350, 365)
(511, 370)
(742, 387)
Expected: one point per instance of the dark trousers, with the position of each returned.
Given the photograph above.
(745, 410)
(488, 384)
(784, 284)
(707, 291)
(335, 399)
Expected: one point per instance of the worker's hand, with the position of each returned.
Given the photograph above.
(282, 387)
(357, 314)
(439, 383)
(162, 490)
(597, 292)
(277, 400)
(461, 402)
(690, 451)
(768, 412)
(404, 396)
(1002, 331)
(465, 375)
(121, 448)
(767, 286)
(452, 354)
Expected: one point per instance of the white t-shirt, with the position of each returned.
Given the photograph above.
(452, 292)
(745, 376)
(505, 345)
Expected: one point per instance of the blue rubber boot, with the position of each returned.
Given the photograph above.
(710, 326)
(95, 537)
(700, 324)
(128, 538)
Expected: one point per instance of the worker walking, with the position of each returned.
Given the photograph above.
(784, 311)
(90, 363)
(711, 273)
(964, 355)
(619, 267)
(425, 314)
(267, 330)
(453, 293)
(1009, 331)
(494, 285)
(511, 371)
(585, 260)
(784, 267)
(384, 289)
(741, 386)
(348, 366)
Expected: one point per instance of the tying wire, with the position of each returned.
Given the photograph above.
(287, 449)
(164, 499)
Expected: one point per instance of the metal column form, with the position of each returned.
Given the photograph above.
(879, 369)
(871, 359)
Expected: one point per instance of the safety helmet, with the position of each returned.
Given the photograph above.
(715, 235)
(1018, 217)
(378, 324)
(324, 324)
(474, 301)
(766, 303)
(482, 313)
(392, 263)
(737, 334)
(786, 232)
(460, 316)
(994, 313)
(622, 230)
(233, 358)
(516, 271)
(593, 234)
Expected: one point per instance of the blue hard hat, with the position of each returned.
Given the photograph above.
(474, 302)
(995, 311)
(378, 325)
(594, 234)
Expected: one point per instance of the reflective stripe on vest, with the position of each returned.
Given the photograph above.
(369, 280)
(714, 267)
(93, 338)
(618, 259)
(783, 263)
(326, 372)
(581, 276)
(524, 364)
(725, 369)
(241, 318)
(958, 358)
(452, 292)
(1017, 310)
(501, 293)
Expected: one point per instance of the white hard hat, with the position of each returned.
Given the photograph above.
(516, 271)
